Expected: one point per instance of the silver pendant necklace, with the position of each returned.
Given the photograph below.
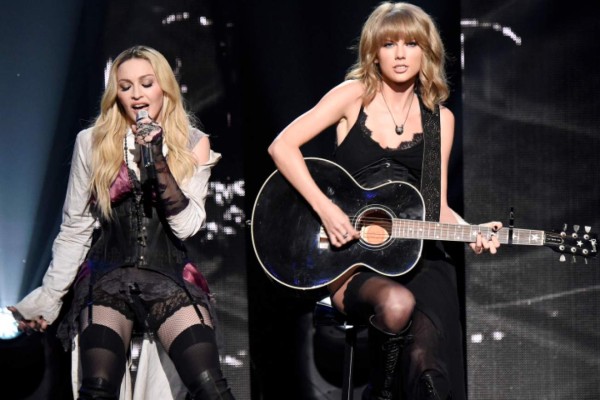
(399, 128)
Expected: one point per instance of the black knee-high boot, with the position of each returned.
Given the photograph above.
(384, 353)
(211, 385)
(97, 389)
(433, 386)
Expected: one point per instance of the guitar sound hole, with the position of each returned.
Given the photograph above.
(375, 226)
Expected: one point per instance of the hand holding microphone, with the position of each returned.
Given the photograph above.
(144, 130)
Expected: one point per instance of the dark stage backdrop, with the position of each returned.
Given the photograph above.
(530, 92)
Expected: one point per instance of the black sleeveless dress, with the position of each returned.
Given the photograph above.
(436, 322)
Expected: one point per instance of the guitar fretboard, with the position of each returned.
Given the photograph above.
(411, 229)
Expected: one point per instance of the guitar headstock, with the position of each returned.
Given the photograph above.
(576, 242)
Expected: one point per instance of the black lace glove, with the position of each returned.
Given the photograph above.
(173, 199)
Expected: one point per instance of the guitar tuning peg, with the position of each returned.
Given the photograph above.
(588, 229)
(562, 258)
(576, 228)
(565, 226)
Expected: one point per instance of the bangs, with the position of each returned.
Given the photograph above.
(399, 24)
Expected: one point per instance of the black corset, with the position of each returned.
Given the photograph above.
(136, 237)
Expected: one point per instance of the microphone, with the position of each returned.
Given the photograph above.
(144, 130)
(146, 152)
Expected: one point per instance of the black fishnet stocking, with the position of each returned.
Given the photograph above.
(180, 321)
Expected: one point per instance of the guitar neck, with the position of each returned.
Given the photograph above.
(411, 229)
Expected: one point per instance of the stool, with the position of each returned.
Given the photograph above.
(326, 314)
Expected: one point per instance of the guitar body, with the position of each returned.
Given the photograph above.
(293, 249)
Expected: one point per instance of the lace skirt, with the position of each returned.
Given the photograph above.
(124, 289)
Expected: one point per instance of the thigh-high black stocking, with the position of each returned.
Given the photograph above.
(193, 349)
(103, 354)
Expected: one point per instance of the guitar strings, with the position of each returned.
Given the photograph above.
(425, 229)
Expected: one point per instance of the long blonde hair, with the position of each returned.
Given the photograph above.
(395, 21)
(111, 125)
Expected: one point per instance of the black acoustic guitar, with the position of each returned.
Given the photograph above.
(292, 247)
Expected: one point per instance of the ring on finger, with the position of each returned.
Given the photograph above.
(345, 235)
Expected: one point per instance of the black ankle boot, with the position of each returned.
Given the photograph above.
(384, 353)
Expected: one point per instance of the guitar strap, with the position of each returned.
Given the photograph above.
(432, 161)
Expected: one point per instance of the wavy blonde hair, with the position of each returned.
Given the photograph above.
(394, 21)
(111, 126)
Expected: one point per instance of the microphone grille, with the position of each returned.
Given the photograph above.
(141, 115)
